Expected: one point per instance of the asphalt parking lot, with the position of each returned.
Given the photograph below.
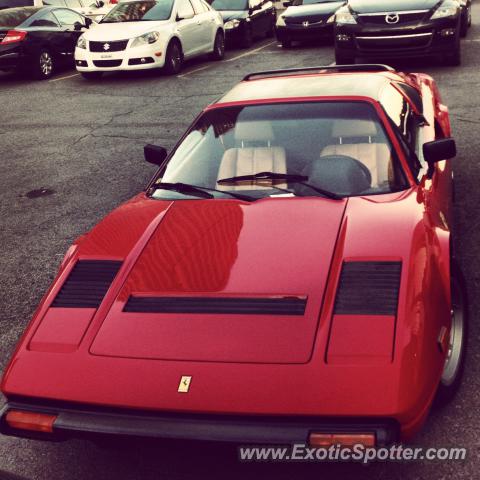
(83, 142)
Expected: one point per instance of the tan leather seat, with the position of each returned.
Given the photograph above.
(255, 154)
(375, 156)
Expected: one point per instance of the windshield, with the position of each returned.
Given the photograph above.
(340, 147)
(230, 4)
(13, 17)
(310, 2)
(140, 11)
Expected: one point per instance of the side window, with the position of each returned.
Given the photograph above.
(255, 4)
(47, 20)
(198, 6)
(55, 3)
(408, 125)
(185, 9)
(73, 4)
(67, 18)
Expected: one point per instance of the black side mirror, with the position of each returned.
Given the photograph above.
(88, 22)
(100, 3)
(77, 26)
(154, 154)
(437, 151)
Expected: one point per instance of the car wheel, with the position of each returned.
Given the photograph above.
(287, 43)
(173, 58)
(457, 346)
(464, 26)
(247, 38)
(342, 60)
(271, 29)
(454, 59)
(43, 65)
(91, 75)
(218, 46)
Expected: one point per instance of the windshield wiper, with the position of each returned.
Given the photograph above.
(293, 178)
(198, 191)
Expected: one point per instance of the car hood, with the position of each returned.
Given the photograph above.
(216, 251)
(233, 14)
(373, 6)
(121, 31)
(320, 9)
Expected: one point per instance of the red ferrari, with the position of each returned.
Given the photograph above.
(288, 276)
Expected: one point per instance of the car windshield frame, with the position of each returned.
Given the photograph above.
(16, 11)
(402, 177)
(110, 17)
(224, 9)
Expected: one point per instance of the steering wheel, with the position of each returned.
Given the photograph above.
(340, 173)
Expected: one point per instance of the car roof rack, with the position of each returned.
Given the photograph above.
(336, 68)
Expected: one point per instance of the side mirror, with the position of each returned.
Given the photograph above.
(439, 150)
(100, 3)
(88, 22)
(77, 26)
(184, 15)
(154, 154)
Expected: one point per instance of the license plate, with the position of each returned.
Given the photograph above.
(106, 56)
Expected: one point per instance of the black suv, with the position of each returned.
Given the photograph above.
(398, 28)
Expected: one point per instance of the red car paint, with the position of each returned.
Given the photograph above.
(320, 364)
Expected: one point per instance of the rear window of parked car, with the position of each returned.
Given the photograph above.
(12, 18)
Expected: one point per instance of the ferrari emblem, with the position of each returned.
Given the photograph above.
(184, 384)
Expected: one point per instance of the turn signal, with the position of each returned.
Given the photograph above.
(325, 440)
(37, 422)
(14, 36)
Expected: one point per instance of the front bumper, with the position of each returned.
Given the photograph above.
(84, 421)
(140, 58)
(300, 32)
(422, 40)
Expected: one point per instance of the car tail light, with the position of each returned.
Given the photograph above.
(14, 36)
(113, 2)
(325, 440)
(37, 422)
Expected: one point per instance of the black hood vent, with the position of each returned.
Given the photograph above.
(368, 288)
(244, 306)
(87, 284)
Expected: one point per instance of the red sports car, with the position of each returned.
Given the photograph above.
(288, 276)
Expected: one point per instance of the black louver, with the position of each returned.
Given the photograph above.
(245, 306)
(87, 284)
(368, 288)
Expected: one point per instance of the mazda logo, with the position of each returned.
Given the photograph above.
(106, 47)
(306, 24)
(392, 18)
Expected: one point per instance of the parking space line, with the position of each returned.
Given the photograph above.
(193, 71)
(64, 78)
(250, 52)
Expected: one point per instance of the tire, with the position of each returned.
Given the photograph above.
(271, 30)
(218, 47)
(247, 38)
(43, 65)
(91, 76)
(343, 60)
(455, 362)
(173, 58)
(454, 59)
(287, 43)
(464, 25)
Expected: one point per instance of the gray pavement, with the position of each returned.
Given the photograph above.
(84, 142)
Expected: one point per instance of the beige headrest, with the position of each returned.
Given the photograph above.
(256, 131)
(353, 128)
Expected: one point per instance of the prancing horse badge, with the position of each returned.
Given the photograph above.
(184, 384)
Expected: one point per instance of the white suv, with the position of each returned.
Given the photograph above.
(144, 34)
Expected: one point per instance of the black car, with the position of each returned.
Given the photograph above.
(398, 28)
(307, 20)
(38, 39)
(246, 19)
